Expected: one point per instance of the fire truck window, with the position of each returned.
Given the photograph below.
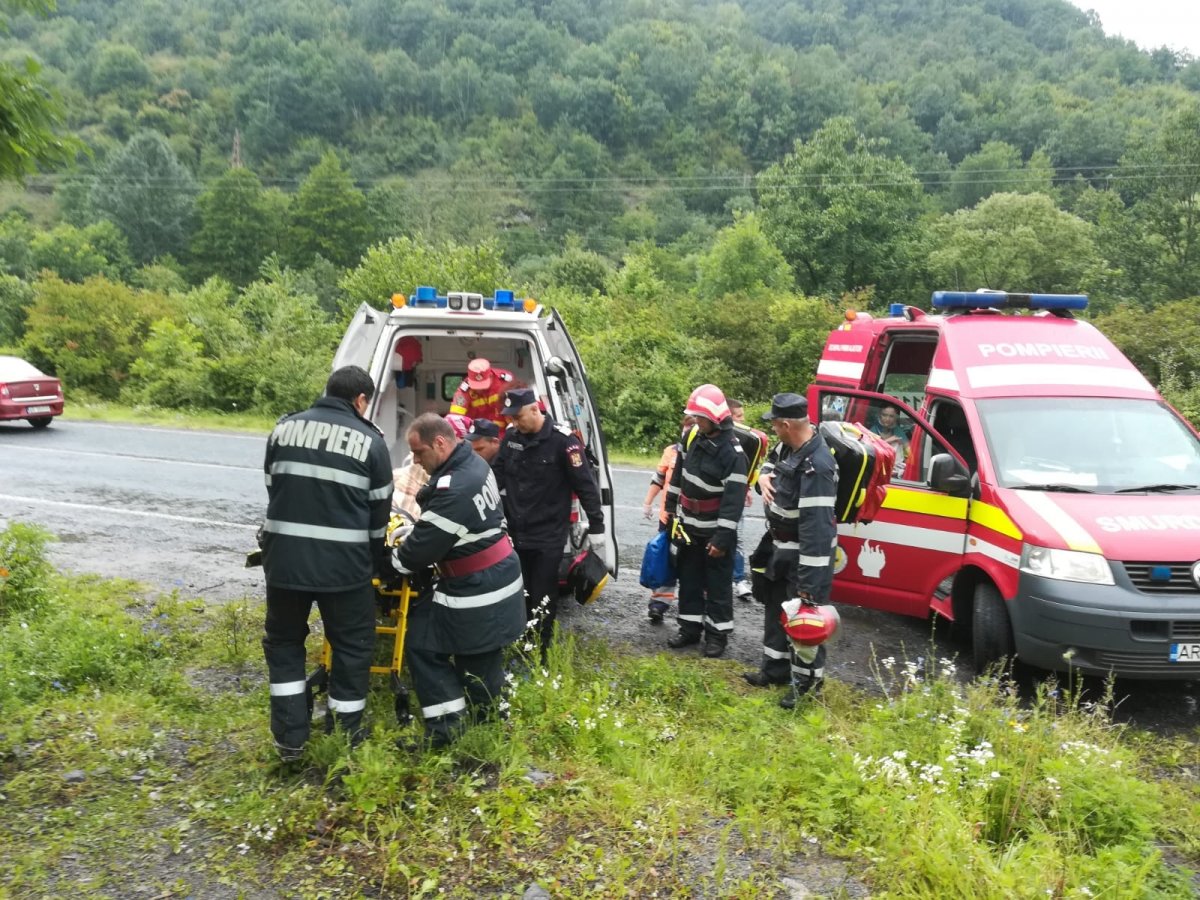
(906, 369)
(951, 422)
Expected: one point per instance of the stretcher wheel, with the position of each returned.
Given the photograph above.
(403, 707)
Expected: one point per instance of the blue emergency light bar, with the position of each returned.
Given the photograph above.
(427, 297)
(1003, 300)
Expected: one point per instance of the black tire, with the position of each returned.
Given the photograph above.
(41, 421)
(991, 630)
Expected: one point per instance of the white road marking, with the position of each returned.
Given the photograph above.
(120, 510)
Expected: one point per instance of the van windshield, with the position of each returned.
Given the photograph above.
(1100, 445)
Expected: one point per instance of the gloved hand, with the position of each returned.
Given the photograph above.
(397, 565)
(597, 544)
(647, 512)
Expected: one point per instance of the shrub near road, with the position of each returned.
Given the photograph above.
(135, 740)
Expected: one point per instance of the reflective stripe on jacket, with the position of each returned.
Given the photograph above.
(801, 517)
(329, 491)
(461, 516)
(710, 474)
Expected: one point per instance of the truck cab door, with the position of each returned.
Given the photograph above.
(904, 560)
(571, 396)
(361, 339)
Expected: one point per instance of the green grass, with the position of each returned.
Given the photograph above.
(89, 409)
(134, 737)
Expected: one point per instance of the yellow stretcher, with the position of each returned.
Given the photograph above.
(392, 621)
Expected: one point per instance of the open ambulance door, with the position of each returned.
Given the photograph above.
(571, 397)
(361, 339)
(903, 561)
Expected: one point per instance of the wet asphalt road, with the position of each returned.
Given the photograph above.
(178, 510)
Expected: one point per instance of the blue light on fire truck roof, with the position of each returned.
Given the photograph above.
(1003, 300)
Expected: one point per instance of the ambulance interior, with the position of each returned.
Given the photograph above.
(428, 385)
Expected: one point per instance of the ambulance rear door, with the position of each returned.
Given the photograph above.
(571, 396)
(904, 561)
(361, 339)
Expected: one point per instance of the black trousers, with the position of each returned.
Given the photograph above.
(539, 571)
(349, 620)
(453, 687)
(777, 649)
(705, 592)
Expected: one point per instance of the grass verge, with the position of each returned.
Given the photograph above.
(133, 739)
(87, 409)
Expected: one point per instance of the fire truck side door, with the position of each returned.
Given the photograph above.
(901, 560)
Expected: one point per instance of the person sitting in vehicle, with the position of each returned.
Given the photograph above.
(481, 394)
(887, 426)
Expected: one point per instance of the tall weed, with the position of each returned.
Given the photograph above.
(25, 573)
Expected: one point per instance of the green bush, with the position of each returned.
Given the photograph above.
(172, 371)
(89, 334)
(24, 570)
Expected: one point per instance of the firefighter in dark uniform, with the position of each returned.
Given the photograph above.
(795, 557)
(704, 503)
(329, 489)
(539, 466)
(471, 609)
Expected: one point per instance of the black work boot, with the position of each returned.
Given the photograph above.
(713, 647)
(759, 678)
(682, 639)
(809, 688)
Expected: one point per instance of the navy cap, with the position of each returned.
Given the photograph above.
(517, 399)
(787, 406)
(483, 428)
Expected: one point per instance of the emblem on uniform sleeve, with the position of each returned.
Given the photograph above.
(576, 457)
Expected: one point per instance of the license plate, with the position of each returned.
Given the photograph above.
(37, 409)
(1185, 653)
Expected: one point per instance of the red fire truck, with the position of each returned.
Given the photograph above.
(1046, 499)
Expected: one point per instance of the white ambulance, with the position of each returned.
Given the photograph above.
(450, 330)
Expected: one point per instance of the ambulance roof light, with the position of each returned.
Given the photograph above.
(1004, 300)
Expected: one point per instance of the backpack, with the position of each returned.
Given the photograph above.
(754, 445)
(865, 462)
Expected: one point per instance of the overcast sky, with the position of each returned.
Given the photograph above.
(1151, 23)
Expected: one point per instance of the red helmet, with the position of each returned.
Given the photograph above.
(708, 401)
(809, 625)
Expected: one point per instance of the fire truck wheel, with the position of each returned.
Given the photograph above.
(991, 631)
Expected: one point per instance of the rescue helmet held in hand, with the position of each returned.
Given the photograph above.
(808, 625)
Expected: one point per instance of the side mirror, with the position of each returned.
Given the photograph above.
(948, 475)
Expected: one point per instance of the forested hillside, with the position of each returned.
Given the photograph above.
(721, 179)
